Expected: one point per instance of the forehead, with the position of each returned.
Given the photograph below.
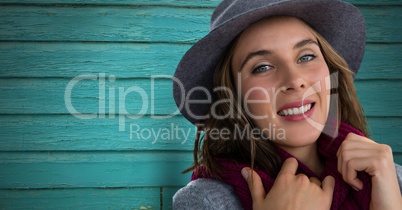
(274, 29)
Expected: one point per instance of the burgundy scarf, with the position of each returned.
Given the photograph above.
(345, 197)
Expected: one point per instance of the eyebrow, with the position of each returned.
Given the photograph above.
(305, 42)
(298, 45)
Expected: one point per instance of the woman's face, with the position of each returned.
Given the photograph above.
(283, 80)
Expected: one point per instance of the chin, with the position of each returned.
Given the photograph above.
(300, 137)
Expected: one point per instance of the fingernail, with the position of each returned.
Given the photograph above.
(355, 189)
(245, 172)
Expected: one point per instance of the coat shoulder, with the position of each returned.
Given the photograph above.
(206, 194)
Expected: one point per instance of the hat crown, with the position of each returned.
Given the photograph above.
(229, 9)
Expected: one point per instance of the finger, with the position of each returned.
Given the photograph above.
(354, 144)
(315, 181)
(340, 160)
(254, 184)
(328, 186)
(347, 155)
(374, 166)
(347, 147)
(289, 166)
(350, 174)
(356, 137)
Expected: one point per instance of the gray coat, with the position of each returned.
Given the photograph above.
(216, 195)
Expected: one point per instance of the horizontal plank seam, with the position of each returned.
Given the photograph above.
(105, 42)
(188, 151)
(383, 43)
(150, 151)
(125, 5)
(163, 77)
(88, 114)
(144, 42)
(133, 115)
(156, 77)
(131, 151)
(153, 5)
(381, 117)
(84, 188)
(124, 151)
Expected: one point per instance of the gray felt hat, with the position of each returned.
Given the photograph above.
(340, 23)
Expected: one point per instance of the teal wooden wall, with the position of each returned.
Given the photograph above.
(51, 157)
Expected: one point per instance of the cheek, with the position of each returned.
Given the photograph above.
(323, 71)
(325, 79)
(320, 79)
(255, 90)
(323, 87)
(256, 96)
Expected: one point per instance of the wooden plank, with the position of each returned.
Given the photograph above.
(380, 23)
(52, 96)
(176, 3)
(181, 3)
(375, 2)
(375, 97)
(93, 169)
(128, 60)
(86, 95)
(65, 132)
(381, 61)
(68, 170)
(168, 193)
(81, 23)
(398, 158)
(386, 130)
(123, 60)
(102, 198)
(145, 24)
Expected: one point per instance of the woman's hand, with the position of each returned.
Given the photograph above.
(358, 153)
(290, 191)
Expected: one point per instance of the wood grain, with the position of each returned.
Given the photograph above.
(145, 24)
(96, 198)
(138, 60)
(178, 3)
(115, 169)
(67, 133)
(168, 193)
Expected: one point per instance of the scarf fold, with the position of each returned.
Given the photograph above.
(345, 197)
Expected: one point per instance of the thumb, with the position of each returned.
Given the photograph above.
(328, 186)
(289, 166)
(254, 184)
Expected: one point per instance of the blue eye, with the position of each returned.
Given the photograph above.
(261, 68)
(306, 58)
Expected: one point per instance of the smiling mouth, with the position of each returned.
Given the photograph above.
(296, 111)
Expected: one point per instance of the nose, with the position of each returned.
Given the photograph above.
(292, 80)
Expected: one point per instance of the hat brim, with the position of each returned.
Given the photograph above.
(340, 23)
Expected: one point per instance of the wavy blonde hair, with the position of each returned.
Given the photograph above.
(253, 149)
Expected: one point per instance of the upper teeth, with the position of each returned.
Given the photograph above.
(295, 111)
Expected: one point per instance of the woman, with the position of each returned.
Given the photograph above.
(271, 87)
